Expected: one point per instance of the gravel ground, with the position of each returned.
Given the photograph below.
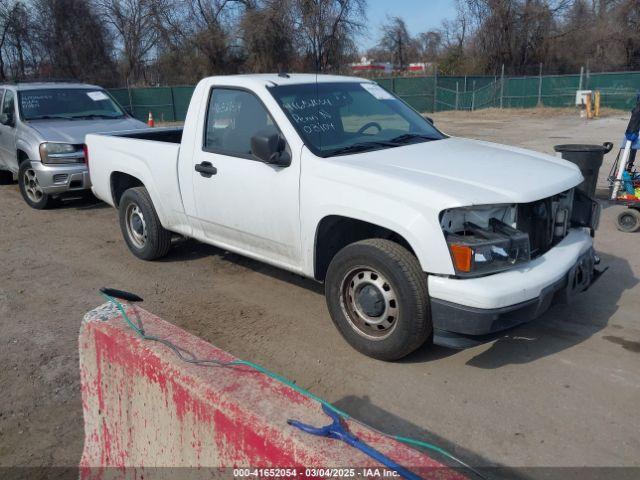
(560, 392)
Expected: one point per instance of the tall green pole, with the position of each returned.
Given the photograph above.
(435, 86)
(502, 87)
(540, 86)
(473, 96)
(457, 94)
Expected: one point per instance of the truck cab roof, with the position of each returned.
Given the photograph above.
(276, 79)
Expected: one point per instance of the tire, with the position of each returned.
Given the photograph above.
(30, 189)
(141, 228)
(6, 177)
(377, 296)
(628, 220)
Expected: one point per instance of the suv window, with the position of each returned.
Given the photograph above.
(8, 103)
(233, 117)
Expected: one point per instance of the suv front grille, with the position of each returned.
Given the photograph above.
(60, 178)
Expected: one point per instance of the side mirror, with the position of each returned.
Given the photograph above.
(269, 147)
(429, 119)
(7, 119)
(128, 111)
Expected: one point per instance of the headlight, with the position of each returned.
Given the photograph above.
(51, 152)
(483, 240)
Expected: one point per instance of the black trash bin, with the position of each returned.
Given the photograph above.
(589, 159)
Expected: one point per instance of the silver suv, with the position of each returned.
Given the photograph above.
(42, 130)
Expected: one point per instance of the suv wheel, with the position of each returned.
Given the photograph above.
(30, 188)
(145, 236)
(377, 296)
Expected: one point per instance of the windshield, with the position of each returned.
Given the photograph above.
(68, 103)
(348, 117)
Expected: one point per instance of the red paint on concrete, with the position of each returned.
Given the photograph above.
(144, 407)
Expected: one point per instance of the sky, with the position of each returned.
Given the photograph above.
(420, 15)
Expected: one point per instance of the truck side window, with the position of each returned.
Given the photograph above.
(233, 117)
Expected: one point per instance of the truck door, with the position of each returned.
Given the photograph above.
(244, 204)
(8, 132)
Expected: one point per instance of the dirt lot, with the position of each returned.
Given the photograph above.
(562, 391)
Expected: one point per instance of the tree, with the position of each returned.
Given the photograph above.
(628, 16)
(326, 29)
(17, 46)
(268, 38)
(6, 12)
(76, 43)
(429, 45)
(212, 34)
(179, 41)
(515, 33)
(135, 27)
(397, 42)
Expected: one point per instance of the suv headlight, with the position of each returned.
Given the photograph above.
(52, 153)
(483, 240)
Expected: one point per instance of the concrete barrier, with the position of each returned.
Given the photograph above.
(145, 408)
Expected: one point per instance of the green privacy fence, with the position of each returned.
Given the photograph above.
(167, 104)
(618, 90)
(432, 93)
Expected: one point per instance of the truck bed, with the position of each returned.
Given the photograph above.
(151, 157)
(168, 135)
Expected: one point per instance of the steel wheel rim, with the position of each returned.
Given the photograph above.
(136, 226)
(31, 186)
(361, 285)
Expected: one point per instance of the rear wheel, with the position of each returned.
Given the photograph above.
(145, 236)
(377, 296)
(30, 188)
(629, 220)
(6, 178)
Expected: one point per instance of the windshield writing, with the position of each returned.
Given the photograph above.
(349, 117)
(68, 104)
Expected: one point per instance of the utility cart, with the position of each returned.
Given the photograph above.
(624, 179)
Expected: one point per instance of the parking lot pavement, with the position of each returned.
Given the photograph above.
(561, 391)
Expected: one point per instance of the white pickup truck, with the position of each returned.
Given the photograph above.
(417, 235)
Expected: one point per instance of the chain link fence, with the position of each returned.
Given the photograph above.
(432, 93)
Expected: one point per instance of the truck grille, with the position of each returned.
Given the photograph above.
(546, 221)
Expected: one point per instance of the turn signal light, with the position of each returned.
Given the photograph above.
(462, 255)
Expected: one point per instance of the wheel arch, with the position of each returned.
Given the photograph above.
(120, 182)
(335, 232)
(22, 156)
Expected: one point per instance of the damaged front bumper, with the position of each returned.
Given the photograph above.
(466, 312)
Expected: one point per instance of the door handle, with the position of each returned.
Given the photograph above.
(206, 169)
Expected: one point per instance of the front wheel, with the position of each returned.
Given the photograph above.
(30, 188)
(377, 296)
(145, 236)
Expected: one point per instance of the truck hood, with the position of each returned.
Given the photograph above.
(459, 172)
(74, 131)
